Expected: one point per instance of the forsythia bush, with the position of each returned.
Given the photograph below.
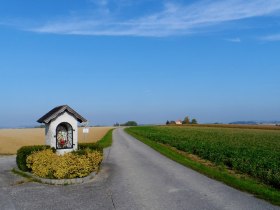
(47, 164)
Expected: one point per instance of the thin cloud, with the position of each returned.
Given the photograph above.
(99, 2)
(235, 40)
(272, 38)
(172, 20)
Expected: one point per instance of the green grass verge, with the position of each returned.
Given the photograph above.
(106, 141)
(21, 173)
(244, 183)
(25, 175)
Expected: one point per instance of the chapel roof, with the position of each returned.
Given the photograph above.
(47, 118)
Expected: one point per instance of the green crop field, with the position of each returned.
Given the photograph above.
(255, 152)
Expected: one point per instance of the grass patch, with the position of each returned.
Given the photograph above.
(21, 173)
(244, 183)
(25, 175)
(106, 141)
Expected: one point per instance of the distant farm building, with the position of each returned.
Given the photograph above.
(178, 122)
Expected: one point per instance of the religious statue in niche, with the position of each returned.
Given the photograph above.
(64, 136)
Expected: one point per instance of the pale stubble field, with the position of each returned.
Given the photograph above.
(12, 139)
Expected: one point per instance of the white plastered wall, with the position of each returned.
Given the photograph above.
(51, 131)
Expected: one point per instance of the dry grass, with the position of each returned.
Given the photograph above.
(12, 139)
(94, 134)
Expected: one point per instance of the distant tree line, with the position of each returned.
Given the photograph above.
(184, 122)
(128, 123)
(40, 126)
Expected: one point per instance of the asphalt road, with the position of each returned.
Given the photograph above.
(133, 176)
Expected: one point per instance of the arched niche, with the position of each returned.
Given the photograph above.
(64, 136)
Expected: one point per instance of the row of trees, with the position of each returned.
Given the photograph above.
(188, 121)
(185, 121)
(128, 123)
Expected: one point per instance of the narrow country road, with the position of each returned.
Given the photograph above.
(133, 176)
(144, 179)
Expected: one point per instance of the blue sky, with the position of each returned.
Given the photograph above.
(149, 61)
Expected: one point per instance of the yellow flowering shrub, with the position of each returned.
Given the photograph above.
(47, 164)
